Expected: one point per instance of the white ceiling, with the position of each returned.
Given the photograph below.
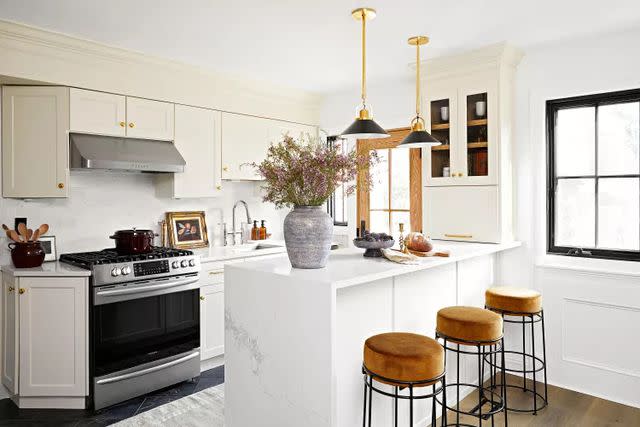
(315, 45)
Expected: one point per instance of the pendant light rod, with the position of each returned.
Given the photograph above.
(418, 41)
(363, 87)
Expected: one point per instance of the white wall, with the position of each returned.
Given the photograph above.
(592, 306)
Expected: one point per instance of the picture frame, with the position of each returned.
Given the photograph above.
(48, 244)
(187, 230)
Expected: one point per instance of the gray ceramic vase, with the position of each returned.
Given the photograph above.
(308, 231)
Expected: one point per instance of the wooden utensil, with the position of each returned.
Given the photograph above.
(29, 234)
(22, 229)
(14, 236)
(43, 229)
(5, 228)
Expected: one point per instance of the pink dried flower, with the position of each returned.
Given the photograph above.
(306, 172)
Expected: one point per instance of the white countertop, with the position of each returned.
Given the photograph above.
(347, 267)
(49, 269)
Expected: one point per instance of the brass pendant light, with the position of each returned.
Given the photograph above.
(364, 126)
(418, 137)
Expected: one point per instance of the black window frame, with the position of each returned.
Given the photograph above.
(331, 202)
(552, 108)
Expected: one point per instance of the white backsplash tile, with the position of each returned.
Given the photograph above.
(103, 202)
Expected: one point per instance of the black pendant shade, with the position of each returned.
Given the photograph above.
(365, 129)
(418, 138)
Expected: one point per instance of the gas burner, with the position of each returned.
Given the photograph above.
(109, 256)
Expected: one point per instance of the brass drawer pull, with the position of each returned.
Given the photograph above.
(11, 288)
(201, 297)
(459, 236)
(131, 125)
(213, 273)
(21, 291)
(122, 124)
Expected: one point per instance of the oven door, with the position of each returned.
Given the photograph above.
(141, 322)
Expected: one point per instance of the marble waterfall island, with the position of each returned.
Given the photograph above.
(293, 338)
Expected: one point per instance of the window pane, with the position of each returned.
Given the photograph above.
(400, 178)
(379, 195)
(618, 213)
(575, 213)
(396, 219)
(379, 222)
(338, 208)
(618, 139)
(575, 142)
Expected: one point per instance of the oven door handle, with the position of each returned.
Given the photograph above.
(140, 289)
(148, 370)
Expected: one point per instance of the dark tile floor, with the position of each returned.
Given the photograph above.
(10, 415)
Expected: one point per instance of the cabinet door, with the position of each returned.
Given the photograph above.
(211, 321)
(9, 334)
(245, 139)
(53, 336)
(297, 131)
(464, 213)
(439, 162)
(478, 116)
(96, 112)
(149, 119)
(197, 137)
(35, 141)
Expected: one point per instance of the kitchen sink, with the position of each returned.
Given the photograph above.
(255, 247)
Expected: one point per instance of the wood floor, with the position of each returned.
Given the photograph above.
(566, 408)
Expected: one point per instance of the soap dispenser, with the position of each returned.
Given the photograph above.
(263, 231)
(255, 231)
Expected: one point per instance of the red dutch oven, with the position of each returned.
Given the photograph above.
(26, 254)
(129, 242)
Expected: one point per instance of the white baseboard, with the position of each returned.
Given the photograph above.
(214, 362)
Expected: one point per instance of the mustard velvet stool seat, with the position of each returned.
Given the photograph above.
(523, 307)
(476, 334)
(402, 362)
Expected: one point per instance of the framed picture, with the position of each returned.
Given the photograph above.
(49, 245)
(187, 230)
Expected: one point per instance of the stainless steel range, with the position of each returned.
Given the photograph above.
(144, 323)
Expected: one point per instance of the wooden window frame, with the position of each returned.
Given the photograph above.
(415, 178)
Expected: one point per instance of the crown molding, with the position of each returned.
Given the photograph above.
(38, 43)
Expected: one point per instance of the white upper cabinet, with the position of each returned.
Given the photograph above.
(246, 139)
(149, 119)
(197, 138)
(35, 141)
(97, 112)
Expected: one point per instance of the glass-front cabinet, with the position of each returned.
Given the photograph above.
(463, 120)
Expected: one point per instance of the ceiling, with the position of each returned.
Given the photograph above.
(315, 45)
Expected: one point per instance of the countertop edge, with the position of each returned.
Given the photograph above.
(48, 269)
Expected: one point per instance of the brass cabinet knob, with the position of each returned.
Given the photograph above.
(226, 168)
(122, 124)
(201, 297)
(21, 291)
(131, 124)
(60, 185)
(11, 288)
(218, 187)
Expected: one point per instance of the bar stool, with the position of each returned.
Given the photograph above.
(402, 360)
(473, 327)
(523, 306)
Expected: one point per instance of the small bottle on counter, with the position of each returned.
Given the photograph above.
(263, 231)
(255, 231)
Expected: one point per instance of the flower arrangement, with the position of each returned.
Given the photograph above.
(306, 172)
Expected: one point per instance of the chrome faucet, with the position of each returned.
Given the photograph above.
(233, 231)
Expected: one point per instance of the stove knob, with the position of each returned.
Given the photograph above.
(115, 272)
(184, 263)
(175, 264)
(126, 270)
(192, 262)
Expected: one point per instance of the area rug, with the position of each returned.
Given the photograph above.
(205, 408)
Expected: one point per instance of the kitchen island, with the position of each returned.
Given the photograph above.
(293, 338)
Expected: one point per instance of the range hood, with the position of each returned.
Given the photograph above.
(126, 154)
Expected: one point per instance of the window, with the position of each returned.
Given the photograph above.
(593, 177)
(396, 196)
(337, 203)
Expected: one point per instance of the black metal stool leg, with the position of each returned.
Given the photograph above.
(411, 406)
(444, 389)
(480, 393)
(396, 407)
(364, 404)
(524, 354)
(544, 356)
(370, 398)
(504, 384)
(458, 385)
(533, 361)
(433, 406)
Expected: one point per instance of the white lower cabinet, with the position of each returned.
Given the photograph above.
(45, 340)
(211, 321)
